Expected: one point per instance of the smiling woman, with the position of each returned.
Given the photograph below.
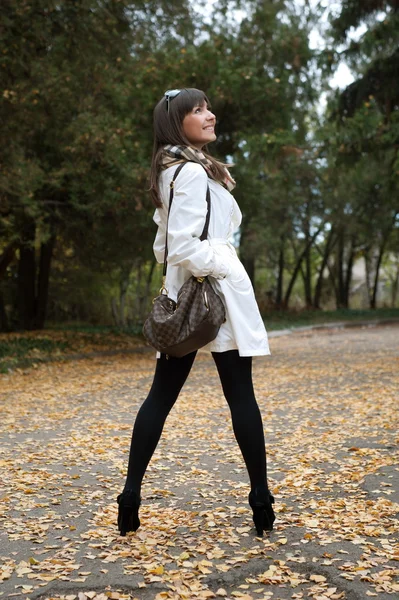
(196, 228)
(199, 126)
(179, 118)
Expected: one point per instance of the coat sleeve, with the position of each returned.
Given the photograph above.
(186, 223)
(159, 243)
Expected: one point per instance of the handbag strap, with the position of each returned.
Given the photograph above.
(204, 233)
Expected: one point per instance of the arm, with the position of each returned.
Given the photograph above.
(186, 223)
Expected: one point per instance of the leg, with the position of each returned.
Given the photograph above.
(170, 375)
(235, 374)
(236, 378)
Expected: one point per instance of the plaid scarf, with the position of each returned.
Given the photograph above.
(172, 155)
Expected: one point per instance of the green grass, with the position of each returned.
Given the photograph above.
(20, 351)
(290, 319)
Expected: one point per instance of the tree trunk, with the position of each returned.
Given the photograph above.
(373, 300)
(324, 263)
(368, 267)
(26, 301)
(298, 266)
(340, 272)
(348, 274)
(46, 255)
(115, 312)
(304, 274)
(280, 277)
(307, 276)
(4, 325)
(395, 287)
(385, 236)
(308, 279)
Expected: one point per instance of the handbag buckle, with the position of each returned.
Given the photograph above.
(163, 289)
(200, 279)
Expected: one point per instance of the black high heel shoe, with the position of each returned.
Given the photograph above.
(261, 500)
(128, 511)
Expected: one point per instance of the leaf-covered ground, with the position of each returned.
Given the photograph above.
(330, 406)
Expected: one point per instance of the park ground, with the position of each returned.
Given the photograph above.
(329, 400)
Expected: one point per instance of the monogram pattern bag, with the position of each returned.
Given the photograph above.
(178, 328)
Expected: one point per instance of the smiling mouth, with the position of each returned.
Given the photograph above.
(209, 128)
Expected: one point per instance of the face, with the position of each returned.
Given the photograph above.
(199, 126)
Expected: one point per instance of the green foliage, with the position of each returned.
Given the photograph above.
(77, 113)
(80, 81)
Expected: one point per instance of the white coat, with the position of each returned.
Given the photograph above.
(188, 255)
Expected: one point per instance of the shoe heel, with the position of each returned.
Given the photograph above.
(263, 514)
(128, 512)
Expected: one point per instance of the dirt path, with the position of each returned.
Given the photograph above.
(329, 401)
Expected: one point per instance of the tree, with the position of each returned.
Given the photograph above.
(363, 138)
(78, 119)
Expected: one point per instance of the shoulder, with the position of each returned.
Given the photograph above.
(194, 169)
(191, 179)
(190, 172)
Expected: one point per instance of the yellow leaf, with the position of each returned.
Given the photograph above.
(221, 592)
(158, 570)
(184, 556)
(318, 578)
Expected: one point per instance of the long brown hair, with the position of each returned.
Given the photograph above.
(168, 129)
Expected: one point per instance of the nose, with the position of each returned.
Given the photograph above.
(210, 116)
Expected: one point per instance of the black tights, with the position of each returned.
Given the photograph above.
(235, 374)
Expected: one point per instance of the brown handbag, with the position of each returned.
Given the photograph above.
(178, 328)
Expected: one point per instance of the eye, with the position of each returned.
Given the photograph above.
(197, 110)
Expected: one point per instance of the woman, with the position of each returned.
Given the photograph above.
(183, 126)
